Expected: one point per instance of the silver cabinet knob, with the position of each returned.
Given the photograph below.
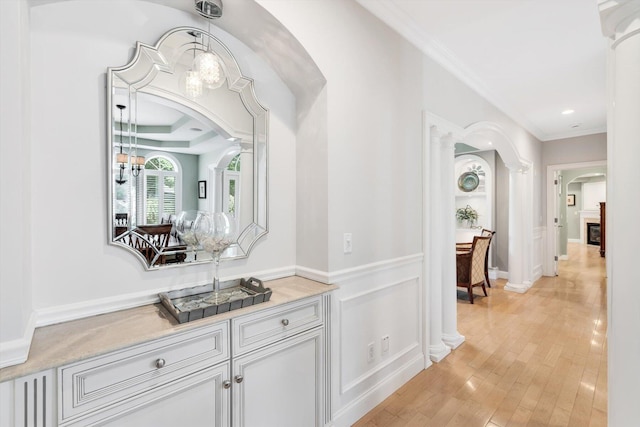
(160, 363)
(239, 378)
(285, 322)
(226, 384)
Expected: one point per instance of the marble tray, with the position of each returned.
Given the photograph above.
(191, 304)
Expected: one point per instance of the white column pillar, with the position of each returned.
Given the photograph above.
(437, 348)
(450, 334)
(621, 24)
(519, 235)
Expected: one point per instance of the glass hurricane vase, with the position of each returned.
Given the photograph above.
(185, 228)
(215, 231)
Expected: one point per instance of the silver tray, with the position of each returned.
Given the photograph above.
(190, 304)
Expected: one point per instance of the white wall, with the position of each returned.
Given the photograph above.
(69, 113)
(16, 320)
(594, 193)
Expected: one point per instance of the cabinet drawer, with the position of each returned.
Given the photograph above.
(94, 383)
(267, 326)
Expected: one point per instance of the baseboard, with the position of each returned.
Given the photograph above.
(537, 272)
(309, 273)
(503, 274)
(574, 240)
(65, 313)
(17, 351)
(359, 407)
(563, 257)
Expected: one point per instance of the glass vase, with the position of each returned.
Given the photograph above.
(215, 232)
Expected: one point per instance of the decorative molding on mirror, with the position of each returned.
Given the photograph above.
(198, 131)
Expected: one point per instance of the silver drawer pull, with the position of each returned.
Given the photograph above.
(160, 363)
(239, 378)
(226, 384)
(285, 322)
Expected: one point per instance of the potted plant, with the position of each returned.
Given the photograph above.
(467, 214)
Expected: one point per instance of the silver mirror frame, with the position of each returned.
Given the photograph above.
(156, 59)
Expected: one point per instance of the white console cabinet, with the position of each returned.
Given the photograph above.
(278, 367)
(266, 368)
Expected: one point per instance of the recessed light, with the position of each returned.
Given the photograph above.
(489, 143)
(566, 112)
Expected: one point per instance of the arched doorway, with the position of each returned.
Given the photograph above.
(439, 222)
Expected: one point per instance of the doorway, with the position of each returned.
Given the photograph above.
(568, 212)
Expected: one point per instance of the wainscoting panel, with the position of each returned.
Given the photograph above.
(369, 306)
(538, 251)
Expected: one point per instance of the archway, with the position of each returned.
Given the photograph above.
(439, 222)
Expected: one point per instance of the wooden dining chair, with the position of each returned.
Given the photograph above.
(151, 240)
(490, 234)
(120, 224)
(470, 266)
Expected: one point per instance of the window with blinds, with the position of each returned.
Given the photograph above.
(161, 190)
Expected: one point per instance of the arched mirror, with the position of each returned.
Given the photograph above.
(176, 145)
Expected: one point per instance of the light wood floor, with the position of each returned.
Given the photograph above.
(534, 359)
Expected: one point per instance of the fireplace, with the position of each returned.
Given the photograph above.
(593, 233)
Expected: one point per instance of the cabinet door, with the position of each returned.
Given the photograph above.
(280, 385)
(198, 400)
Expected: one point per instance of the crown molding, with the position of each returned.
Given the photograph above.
(574, 133)
(404, 25)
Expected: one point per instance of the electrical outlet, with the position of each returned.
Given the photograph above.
(385, 344)
(371, 352)
(348, 247)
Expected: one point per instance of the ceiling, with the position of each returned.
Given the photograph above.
(533, 59)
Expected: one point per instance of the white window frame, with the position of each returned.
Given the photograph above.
(161, 174)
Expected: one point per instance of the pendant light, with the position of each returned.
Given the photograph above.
(137, 162)
(191, 81)
(207, 64)
(121, 158)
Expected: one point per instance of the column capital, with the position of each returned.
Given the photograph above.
(619, 19)
(447, 141)
(517, 168)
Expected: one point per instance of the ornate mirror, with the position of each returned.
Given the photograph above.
(178, 144)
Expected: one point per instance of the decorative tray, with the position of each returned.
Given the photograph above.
(191, 304)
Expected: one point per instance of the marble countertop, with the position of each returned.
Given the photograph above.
(57, 345)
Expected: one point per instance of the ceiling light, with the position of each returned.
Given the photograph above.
(489, 143)
(567, 112)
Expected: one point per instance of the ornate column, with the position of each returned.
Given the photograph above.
(450, 334)
(519, 229)
(621, 24)
(437, 348)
